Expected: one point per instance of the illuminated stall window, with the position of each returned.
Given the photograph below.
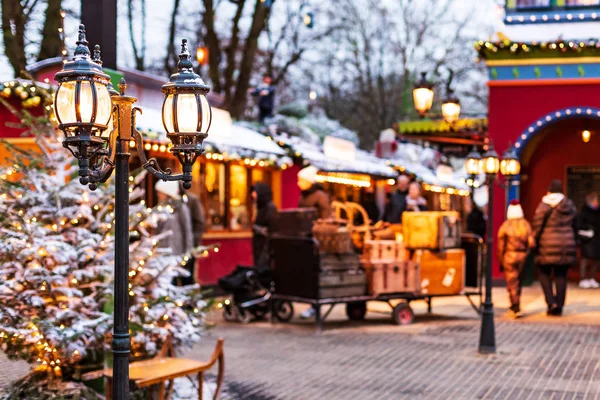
(239, 216)
(214, 196)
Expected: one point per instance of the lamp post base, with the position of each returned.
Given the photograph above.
(487, 338)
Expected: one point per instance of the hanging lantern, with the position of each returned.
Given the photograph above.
(186, 113)
(202, 55)
(586, 136)
(423, 95)
(451, 108)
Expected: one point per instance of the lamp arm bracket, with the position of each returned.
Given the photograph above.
(151, 165)
(104, 170)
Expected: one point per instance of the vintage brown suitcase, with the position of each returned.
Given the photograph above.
(342, 283)
(331, 261)
(296, 222)
(333, 237)
(434, 230)
(442, 272)
(385, 250)
(392, 277)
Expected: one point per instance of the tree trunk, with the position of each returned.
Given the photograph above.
(13, 28)
(51, 39)
(240, 98)
(137, 54)
(214, 47)
(171, 58)
(231, 52)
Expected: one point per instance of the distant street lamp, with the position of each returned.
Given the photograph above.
(202, 55)
(423, 95)
(451, 108)
(490, 164)
(86, 106)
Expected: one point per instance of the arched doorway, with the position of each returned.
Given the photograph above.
(553, 148)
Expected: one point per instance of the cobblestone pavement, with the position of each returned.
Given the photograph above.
(435, 358)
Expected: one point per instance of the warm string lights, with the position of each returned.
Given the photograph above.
(487, 49)
(343, 178)
(426, 186)
(29, 94)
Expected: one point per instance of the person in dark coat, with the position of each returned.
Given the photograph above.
(266, 98)
(313, 194)
(588, 231)
(264, 224)
(371, 207)
(398, 201)
(553, 226)
(476, 221)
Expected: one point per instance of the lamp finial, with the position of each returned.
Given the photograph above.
(96, 58)
(185, 62)
(82, 50)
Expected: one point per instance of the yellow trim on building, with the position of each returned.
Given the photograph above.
(541, 61)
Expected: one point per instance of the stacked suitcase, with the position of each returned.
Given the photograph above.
(435, 238)
(389, 269)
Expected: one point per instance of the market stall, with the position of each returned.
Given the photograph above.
(235, 158)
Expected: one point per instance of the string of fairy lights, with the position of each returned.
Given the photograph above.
(575, 47)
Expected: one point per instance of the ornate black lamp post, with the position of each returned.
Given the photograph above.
(87, 106)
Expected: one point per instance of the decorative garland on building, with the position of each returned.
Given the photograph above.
(508, 49)
(29, 93)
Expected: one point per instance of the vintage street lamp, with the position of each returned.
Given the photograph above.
(510, 166)
(451, 108)
(86, 106)
(423, 95)
(473, 169)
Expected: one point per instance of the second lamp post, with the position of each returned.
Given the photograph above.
(490, 164)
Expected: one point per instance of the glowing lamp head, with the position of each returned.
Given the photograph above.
(451, 108)
(510, 166)
(491, 162)
(423, 95)
(186, 113)
(82, 102)
(473, 163)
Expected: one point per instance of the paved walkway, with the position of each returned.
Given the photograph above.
(435, 358)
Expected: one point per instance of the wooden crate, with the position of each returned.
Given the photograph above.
(434, 230)
(442, 272)
(385, 250)
(392, 277)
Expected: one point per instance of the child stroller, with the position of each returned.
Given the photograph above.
(251, 291)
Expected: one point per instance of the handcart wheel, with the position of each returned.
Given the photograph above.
(244, 316)
(259, 314)
(230, 313)
(403, 314)
(356, 311)
(284, 310)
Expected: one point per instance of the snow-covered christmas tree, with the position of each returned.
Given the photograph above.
(56, 269)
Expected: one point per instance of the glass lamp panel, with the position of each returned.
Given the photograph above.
(491, 165)
(423, 98)
(168, 114)
(64, 104)
(104, 104)
(86, 102)
(451, 111)
(510, 167)
(187, 113)
(206, 114)
(472, 166)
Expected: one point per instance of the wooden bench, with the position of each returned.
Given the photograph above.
(160, 372)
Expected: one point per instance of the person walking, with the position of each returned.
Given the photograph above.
(179, 223)
(588, 232)
(515, 238)
(556, 249)
(414, 201)
(398, 201)
(265, 223)
(313, 193)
